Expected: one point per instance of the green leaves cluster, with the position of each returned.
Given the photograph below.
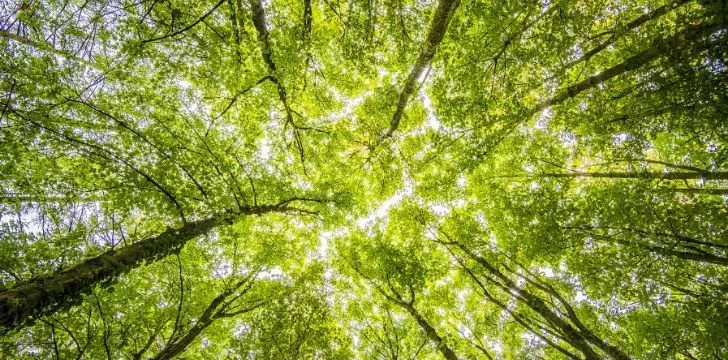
(556, 186)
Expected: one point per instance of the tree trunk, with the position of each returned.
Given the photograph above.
(577, 336)
(173, 349)
(440, 22)
(646, 175)
(662, 47)
(706, 257)
(49, 294)
(699, 191)
(307, 20)
(662, 10)
(46, 295)
(519, 319)
(259, 21)
(261, 27)
(215, 310)
(431, 333)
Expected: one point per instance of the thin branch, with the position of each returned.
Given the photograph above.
(190, 26)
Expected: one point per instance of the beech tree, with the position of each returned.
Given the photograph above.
(365, 179)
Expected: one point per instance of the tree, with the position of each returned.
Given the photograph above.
(364, 179)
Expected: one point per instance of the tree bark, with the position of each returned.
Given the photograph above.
(214, 311)
(662, 47)
(440, 22)
(431, 333)
(662, 10)
(646, 175)
(47, 295)
(577, 335)
(260, 23)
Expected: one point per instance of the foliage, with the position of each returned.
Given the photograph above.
(376, 179)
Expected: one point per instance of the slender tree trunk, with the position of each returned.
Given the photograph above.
(662, 47)
(519, 319)
(571, 334)
(662, 10)
(214, 311)
(698, 191)
(576, 335)
(431, 333)
(645, 175)
(307, 20)
(704, 257)
(259, 22)
(585, 332)
(673, 249)
(236, 30)
(438, 27)
(173, 349)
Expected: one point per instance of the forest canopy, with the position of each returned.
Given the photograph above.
(377, 179)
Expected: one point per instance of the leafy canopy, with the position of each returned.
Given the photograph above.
(397, 179)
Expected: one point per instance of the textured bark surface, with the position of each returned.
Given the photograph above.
(432, 334)
(259, 21)
(689, 37)
(46, 295)
(571, 328)
(443, 15)
(631, 26)
(646, 175)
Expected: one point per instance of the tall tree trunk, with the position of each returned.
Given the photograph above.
(708, 175)
(307, 20)
(698, 191)
(173, 349)
(236, 30)
(523, 321)
(573, 332)
(431, 333)
(216, 310)
(681, 40)
(260, 23)
(261, 27)
(571, 315)
(47, 295)
(438, 27)
(685, 255)
(662, 10)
